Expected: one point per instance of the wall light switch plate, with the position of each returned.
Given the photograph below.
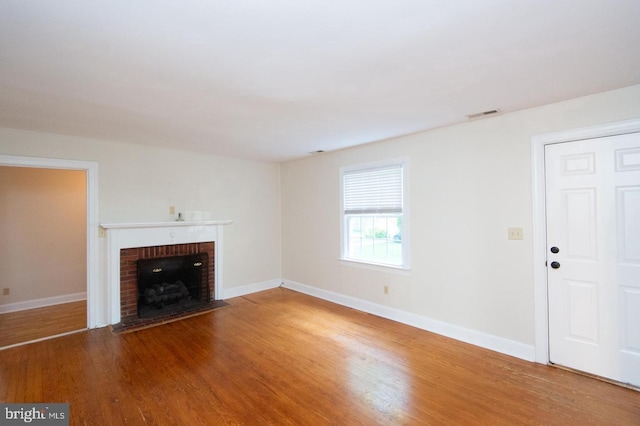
(515, 233)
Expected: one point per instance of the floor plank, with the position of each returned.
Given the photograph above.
(32, 324)
(281, 357)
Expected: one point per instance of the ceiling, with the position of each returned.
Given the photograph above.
(275, 80)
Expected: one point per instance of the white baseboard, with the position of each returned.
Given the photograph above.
(477, 338)
(229, 293)
(41, 303)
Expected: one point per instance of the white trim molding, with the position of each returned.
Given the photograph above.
(538, 144)
(477, 338)
(251, 288)
(41, 303)
(91, 168)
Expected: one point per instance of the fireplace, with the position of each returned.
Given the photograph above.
(170, 285)
(129, 242)
(165, 281)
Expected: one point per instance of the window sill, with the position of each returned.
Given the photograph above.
(400, 270)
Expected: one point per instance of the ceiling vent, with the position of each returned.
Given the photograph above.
(482, 114)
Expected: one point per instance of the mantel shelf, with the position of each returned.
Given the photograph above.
(164, 224)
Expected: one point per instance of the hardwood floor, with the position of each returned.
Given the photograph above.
(33, 324)
(281, 357)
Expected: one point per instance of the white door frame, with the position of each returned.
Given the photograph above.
(91, 168)
(539, 217)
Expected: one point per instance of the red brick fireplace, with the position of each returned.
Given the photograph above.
(129, 277)
(127, 243)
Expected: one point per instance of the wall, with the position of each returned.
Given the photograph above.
(43, 227)
(468, 183)
(138, 184)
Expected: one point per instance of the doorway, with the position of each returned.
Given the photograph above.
(92, 315)
(586, 226)
(42, 253)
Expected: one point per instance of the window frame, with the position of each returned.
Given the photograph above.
(344, 235)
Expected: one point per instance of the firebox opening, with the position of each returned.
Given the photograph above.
(170, 285)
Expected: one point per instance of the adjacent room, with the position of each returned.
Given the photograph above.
(408, 212)
(44, 252)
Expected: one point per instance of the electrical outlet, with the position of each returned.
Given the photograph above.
(6, 291)
(515, 233)
(102, 232)
(386, 289)
(172, 210)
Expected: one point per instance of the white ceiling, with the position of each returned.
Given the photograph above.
(274, 80)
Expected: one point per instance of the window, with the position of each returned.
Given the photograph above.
(374, 216)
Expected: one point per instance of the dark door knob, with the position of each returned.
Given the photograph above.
(555, 250)
(555, 265)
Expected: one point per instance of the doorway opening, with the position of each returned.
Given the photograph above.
(58, 285)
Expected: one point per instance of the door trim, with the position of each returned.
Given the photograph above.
(538, 143)
(91, 168)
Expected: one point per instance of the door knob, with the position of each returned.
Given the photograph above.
(555, 250)
(555, 265)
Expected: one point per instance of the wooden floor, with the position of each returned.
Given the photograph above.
(280, 357)
(33, 324)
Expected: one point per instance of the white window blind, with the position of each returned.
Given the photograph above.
(373, 191)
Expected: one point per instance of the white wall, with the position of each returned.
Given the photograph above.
(468, 184)
(138, 184)
(43, 227)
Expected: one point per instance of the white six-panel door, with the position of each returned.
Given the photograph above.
(593, 252)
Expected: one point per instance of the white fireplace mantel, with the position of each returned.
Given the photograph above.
(130, 235)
